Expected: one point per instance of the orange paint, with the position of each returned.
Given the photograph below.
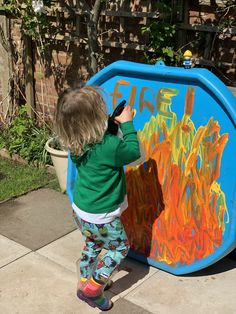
(116, 94)
(145, 103)
(189, 101)
(176, 207)
(132, 95)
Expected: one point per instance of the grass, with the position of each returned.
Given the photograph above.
(17, 179)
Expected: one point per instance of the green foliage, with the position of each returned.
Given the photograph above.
(33, 24)
(162, 38)
(24, 138)
(55, 144)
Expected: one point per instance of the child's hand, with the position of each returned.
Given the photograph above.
(126, 115)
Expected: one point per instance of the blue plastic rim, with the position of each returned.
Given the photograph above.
(182, 199)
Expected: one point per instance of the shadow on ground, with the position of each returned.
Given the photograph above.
(135, 272)
(221, 266)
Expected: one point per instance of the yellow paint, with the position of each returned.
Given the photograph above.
(176, 206)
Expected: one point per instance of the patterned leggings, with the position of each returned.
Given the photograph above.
(110, 236)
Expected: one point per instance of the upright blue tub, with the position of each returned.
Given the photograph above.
(182, 193)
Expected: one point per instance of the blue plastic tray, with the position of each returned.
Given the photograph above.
(182, 197)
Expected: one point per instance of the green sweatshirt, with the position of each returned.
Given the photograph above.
(100, 183)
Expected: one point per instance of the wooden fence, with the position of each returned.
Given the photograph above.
(201, 28)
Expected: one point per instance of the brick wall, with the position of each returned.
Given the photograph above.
(66, 57)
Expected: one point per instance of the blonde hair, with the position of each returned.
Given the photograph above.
(81, 118)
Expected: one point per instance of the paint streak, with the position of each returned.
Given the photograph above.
(179, 211)
(144, 103)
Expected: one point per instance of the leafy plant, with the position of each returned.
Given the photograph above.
(23, 137)
(56, 144)
(33, 23)
(162, 37)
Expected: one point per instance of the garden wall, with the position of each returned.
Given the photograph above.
(201, 29)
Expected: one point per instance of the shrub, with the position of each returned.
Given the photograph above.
(23, 137)
(162, 37)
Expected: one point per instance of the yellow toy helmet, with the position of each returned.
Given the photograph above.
(187, 53)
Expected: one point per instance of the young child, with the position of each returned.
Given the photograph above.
(100, 188)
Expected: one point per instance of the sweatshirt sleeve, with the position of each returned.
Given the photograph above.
(128, 149)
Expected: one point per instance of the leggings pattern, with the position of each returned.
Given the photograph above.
(110, 236)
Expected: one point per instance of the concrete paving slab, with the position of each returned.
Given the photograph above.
(37, 218)
(131, 275)
(212, 291)
(65, 251)
(124, 306)
(10, 251)
(34, 284)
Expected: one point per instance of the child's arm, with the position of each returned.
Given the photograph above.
(128, 149)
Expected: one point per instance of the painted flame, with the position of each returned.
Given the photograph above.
(176, 207)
